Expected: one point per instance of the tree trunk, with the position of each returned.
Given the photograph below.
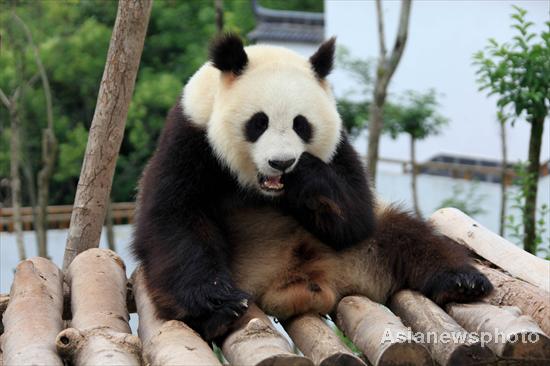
(107, 127)
(15, 163)
(49, 150)
(109, 227)
(218, 4)
(531, 184)
(384, 71)
(503, 178)
(413, 177)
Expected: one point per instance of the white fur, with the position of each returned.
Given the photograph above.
(279, 83)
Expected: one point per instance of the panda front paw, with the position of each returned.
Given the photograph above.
(462, 285)
(214, 307)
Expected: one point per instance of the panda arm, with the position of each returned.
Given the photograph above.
(178, 237)
(333, 201)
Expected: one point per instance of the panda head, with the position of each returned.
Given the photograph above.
(264, 106)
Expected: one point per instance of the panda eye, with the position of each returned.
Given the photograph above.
(256, 126)
(303, 128)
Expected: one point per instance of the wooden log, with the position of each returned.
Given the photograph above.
(256, 342)
(511, 291)
(318, 342)
(167, 342)
(381, 335)
(100, 334)
(33, 316)
(107, 128)
(497, 250)
(508, 333)
(457, 348)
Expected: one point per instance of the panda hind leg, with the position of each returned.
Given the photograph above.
(423, 260)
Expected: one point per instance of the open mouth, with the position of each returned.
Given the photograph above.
(271, 184)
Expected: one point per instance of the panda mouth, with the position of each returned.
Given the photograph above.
(271, 183)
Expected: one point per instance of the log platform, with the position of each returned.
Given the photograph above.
(510, 327)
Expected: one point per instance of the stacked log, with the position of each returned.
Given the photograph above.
(508, 333)
(33, 316)
(256, 342)
(167, 342)
(99, 333)
(380, 334)
(318, 342)
(448, 342)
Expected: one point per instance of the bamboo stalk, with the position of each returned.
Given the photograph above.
(100, 334)
(256, 342)
(497, 250)
(167, 342)
(33, 316)
(426, 317)
(508, 333)
(379, 333)
(318, 342)
(513, 292)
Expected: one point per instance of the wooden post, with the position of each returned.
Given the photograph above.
(167, 342)
(513, 292)
(107, 129)
(100, 334)
(317, 341)
(33, 316)
(379, 333)
(508, 333)
(426, 317)
(497, 250)
(256, 342)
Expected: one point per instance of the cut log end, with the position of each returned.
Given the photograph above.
(527, 345)
(342, 359)
(68, 342)
(404, 354)
(470, 354)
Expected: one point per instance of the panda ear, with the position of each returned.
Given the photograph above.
(227, 54)
(323, 59)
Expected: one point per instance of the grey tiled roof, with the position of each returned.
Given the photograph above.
(289, 26)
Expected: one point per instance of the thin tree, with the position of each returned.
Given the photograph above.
(107, 129)
(502, 119)
(384, 71)
(49, 149)
(519, 74)
(418, 118)
(11, 104)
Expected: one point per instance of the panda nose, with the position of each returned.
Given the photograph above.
(281, 165)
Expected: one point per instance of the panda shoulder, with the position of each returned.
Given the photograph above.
(199, 93)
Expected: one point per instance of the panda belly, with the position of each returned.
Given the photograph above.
(288, 271)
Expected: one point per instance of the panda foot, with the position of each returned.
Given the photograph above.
(465, 284)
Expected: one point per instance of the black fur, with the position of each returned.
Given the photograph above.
(256, 126)
(322, 60)
(423, 260)
(303, 128)
(333, 201)
(227, 54)
(178, 233)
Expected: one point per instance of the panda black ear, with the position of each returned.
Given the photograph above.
(227, 54)
(323, 59)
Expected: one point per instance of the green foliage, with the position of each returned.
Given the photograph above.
(469, 201)
(518, 72)
(416, 116)
(73, 38)
(515, 227)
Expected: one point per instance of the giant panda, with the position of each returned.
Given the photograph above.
(255, 193)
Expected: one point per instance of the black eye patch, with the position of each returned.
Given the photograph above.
(256, 126)
(303, 128)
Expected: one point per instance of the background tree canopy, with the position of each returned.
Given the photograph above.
(72, 37)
